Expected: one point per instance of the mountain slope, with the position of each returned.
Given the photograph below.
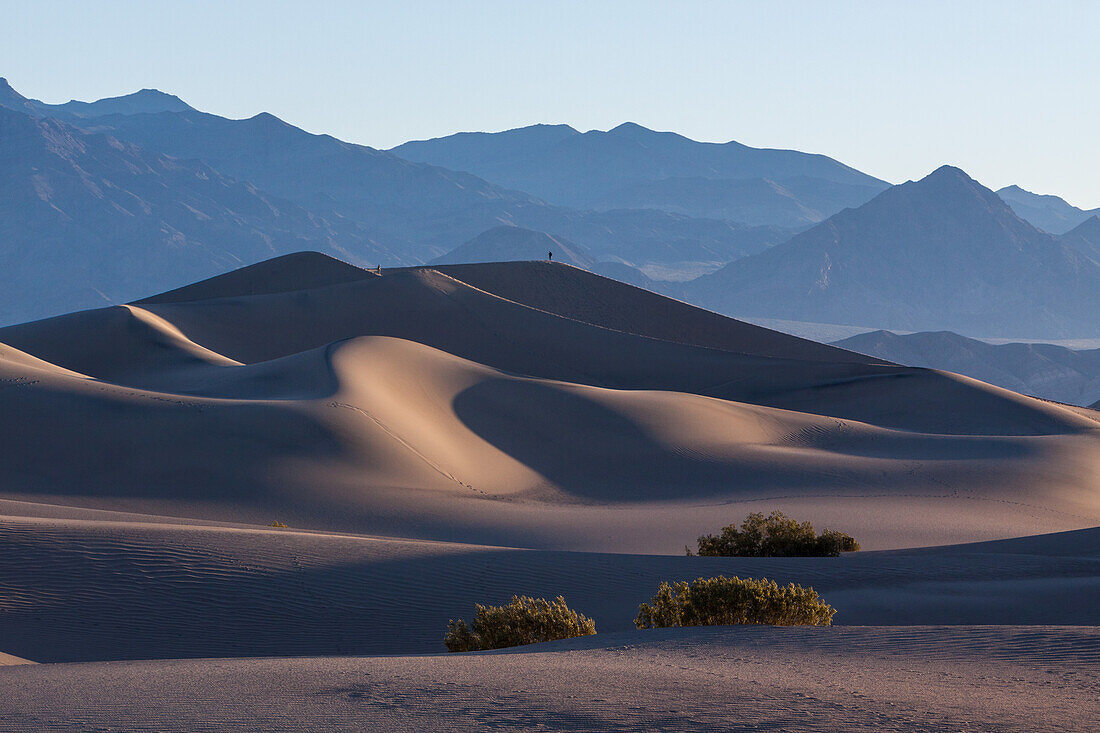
(1085, 238)
(797, 202)
(278, 189)
(322, 173)
(1049, 213)
(1043, 370)
(940, 253)
(633, 167)
(89, 221)
(420, 211)
(11, 99)
(146, 101)
(510, 244)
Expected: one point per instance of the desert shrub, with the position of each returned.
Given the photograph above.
(278, 524)
(775, 535)
(831, 543)
(523, 621)
(722, 601)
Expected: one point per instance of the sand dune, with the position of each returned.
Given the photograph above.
(583, 296)
(297, 271)
(443, 437)
(85, 590)
(750, 678)
(417, 405)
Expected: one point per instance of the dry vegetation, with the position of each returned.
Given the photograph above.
(523, 621)
(775, 535)
(722, 601)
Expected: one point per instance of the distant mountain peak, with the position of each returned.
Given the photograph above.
(634, 131)
(1048, 212)
(508, 243)
(1092, 224)
(1019, 191)
(267, 118)
(950, 186)
(1085, 238)
(943, 252)
(949, 173)
(12, 99)
(163, 97)
(142, 101)
(629, 127)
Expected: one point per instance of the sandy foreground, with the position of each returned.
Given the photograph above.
(1000, 678)
(199, 621)
(440, 437)
(88, 590)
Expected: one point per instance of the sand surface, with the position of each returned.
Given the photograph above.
(419, 405)
(441, 437)
(86, 590)
(739, 679)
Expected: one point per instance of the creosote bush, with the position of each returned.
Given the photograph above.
(776, 535)
(721, 601)
(523, 621)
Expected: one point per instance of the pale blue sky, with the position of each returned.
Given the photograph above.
(1006, 90)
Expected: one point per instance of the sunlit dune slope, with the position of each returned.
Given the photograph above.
(416, 404)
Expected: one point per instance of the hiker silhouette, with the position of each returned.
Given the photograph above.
(550, 256)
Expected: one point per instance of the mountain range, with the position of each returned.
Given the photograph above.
(942, 253)
(422, 210)
(1085, 238)
(1050, 213)
(363, 205)
(632, 167)
(1042, 370)
(516, 244)
(87, 221)
(110, 200)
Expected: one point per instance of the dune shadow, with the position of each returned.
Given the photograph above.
(594, 452)
(86, 596)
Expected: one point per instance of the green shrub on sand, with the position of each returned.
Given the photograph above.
(775, 535)
(523, 621)
(721, 601)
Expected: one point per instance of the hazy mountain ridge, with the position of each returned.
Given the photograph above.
(916, 257)
(631, 166)
(1047, 212)
(516, 244)
(511, 244)
(363, 205)
(421, 211)
(1042, 370)
(1085, 238)
(942, 253)
(797, 202)
(89, 220)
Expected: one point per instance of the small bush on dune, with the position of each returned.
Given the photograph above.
(722, 601)
(279, 525)
(776, 535)
(831, 543)
(523, 621)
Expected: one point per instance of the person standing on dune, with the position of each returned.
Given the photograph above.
(550, 256)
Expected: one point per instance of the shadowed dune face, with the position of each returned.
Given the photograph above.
(416, 404)
(78, 590)
(614, 446)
